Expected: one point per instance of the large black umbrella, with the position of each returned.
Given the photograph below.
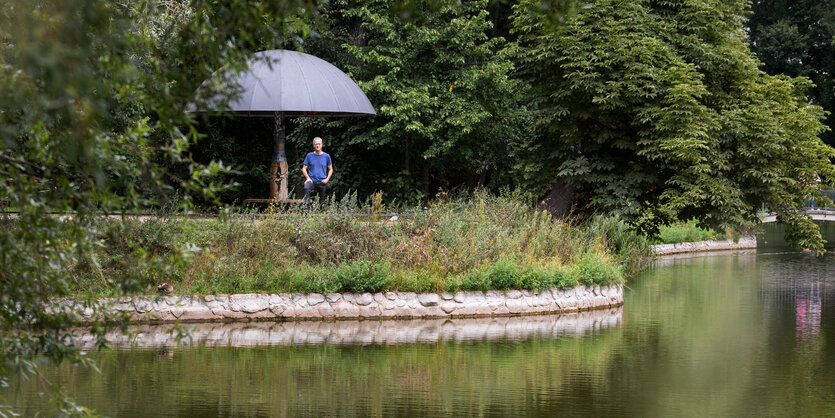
(280, 83)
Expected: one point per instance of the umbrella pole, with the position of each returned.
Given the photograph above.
(278, 167)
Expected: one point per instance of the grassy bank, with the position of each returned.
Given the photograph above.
(477, 243)
(686, 232)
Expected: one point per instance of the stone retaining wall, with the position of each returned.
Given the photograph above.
(389, 305)
(745, 242)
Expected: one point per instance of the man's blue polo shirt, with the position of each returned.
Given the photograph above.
(317, 165)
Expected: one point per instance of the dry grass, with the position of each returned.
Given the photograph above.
(476, 242)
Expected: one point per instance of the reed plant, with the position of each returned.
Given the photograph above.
(479, 241)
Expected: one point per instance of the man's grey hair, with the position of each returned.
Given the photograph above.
(320, 140)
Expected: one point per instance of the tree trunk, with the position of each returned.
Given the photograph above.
(482, 177)
(560, 201)
(278, 167)
(356, 31)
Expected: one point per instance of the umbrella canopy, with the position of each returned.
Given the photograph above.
(297, 84)
(279, 83)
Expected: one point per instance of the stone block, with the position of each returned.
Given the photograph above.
(299, 302)
(473, 310)
(501, 310)
(307, 312)
(513, 294)
(334, 297)
(197, 312)
(473, 297)
(252, 304)
(516, 306)
(278, 309)
(142, 305)
(389, 311)
(345, 309)
(369, 311)
(364, 299)
(449, 306)
(428, 299)
(279, 299)
(495, 299)
(314, 299)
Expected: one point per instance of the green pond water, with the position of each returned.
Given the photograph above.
(747, 333)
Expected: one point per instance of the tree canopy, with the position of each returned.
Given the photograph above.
(797, 38)
(658, 110)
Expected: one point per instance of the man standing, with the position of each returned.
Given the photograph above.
(317, 169)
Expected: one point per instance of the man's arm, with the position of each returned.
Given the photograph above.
(330, 173)
(304, 171)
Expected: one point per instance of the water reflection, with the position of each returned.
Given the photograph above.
(800, 286)
(365, 332)
(808, 314)
(464, 367)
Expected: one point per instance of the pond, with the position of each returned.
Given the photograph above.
(746, 333)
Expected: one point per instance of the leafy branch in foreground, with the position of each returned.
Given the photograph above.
(93, 99)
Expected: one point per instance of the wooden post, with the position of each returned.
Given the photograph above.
(274, 180)
(278, 167)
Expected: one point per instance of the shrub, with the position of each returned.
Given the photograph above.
(476, 280)
(361, 276)
(593, 269)
(503, 274)
(534, 278)
(453, 283)
(419, 281)
(619, 239)
(315, 280)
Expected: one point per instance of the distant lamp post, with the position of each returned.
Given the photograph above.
(280, 83)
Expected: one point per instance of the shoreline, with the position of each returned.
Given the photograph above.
(744, 243)
(389, 305)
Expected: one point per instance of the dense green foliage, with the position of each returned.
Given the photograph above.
(797, 38)
(478, 243)
(658, 111)
(446, 104)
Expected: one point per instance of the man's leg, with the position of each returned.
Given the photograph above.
(321, 188)
(308, 186)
